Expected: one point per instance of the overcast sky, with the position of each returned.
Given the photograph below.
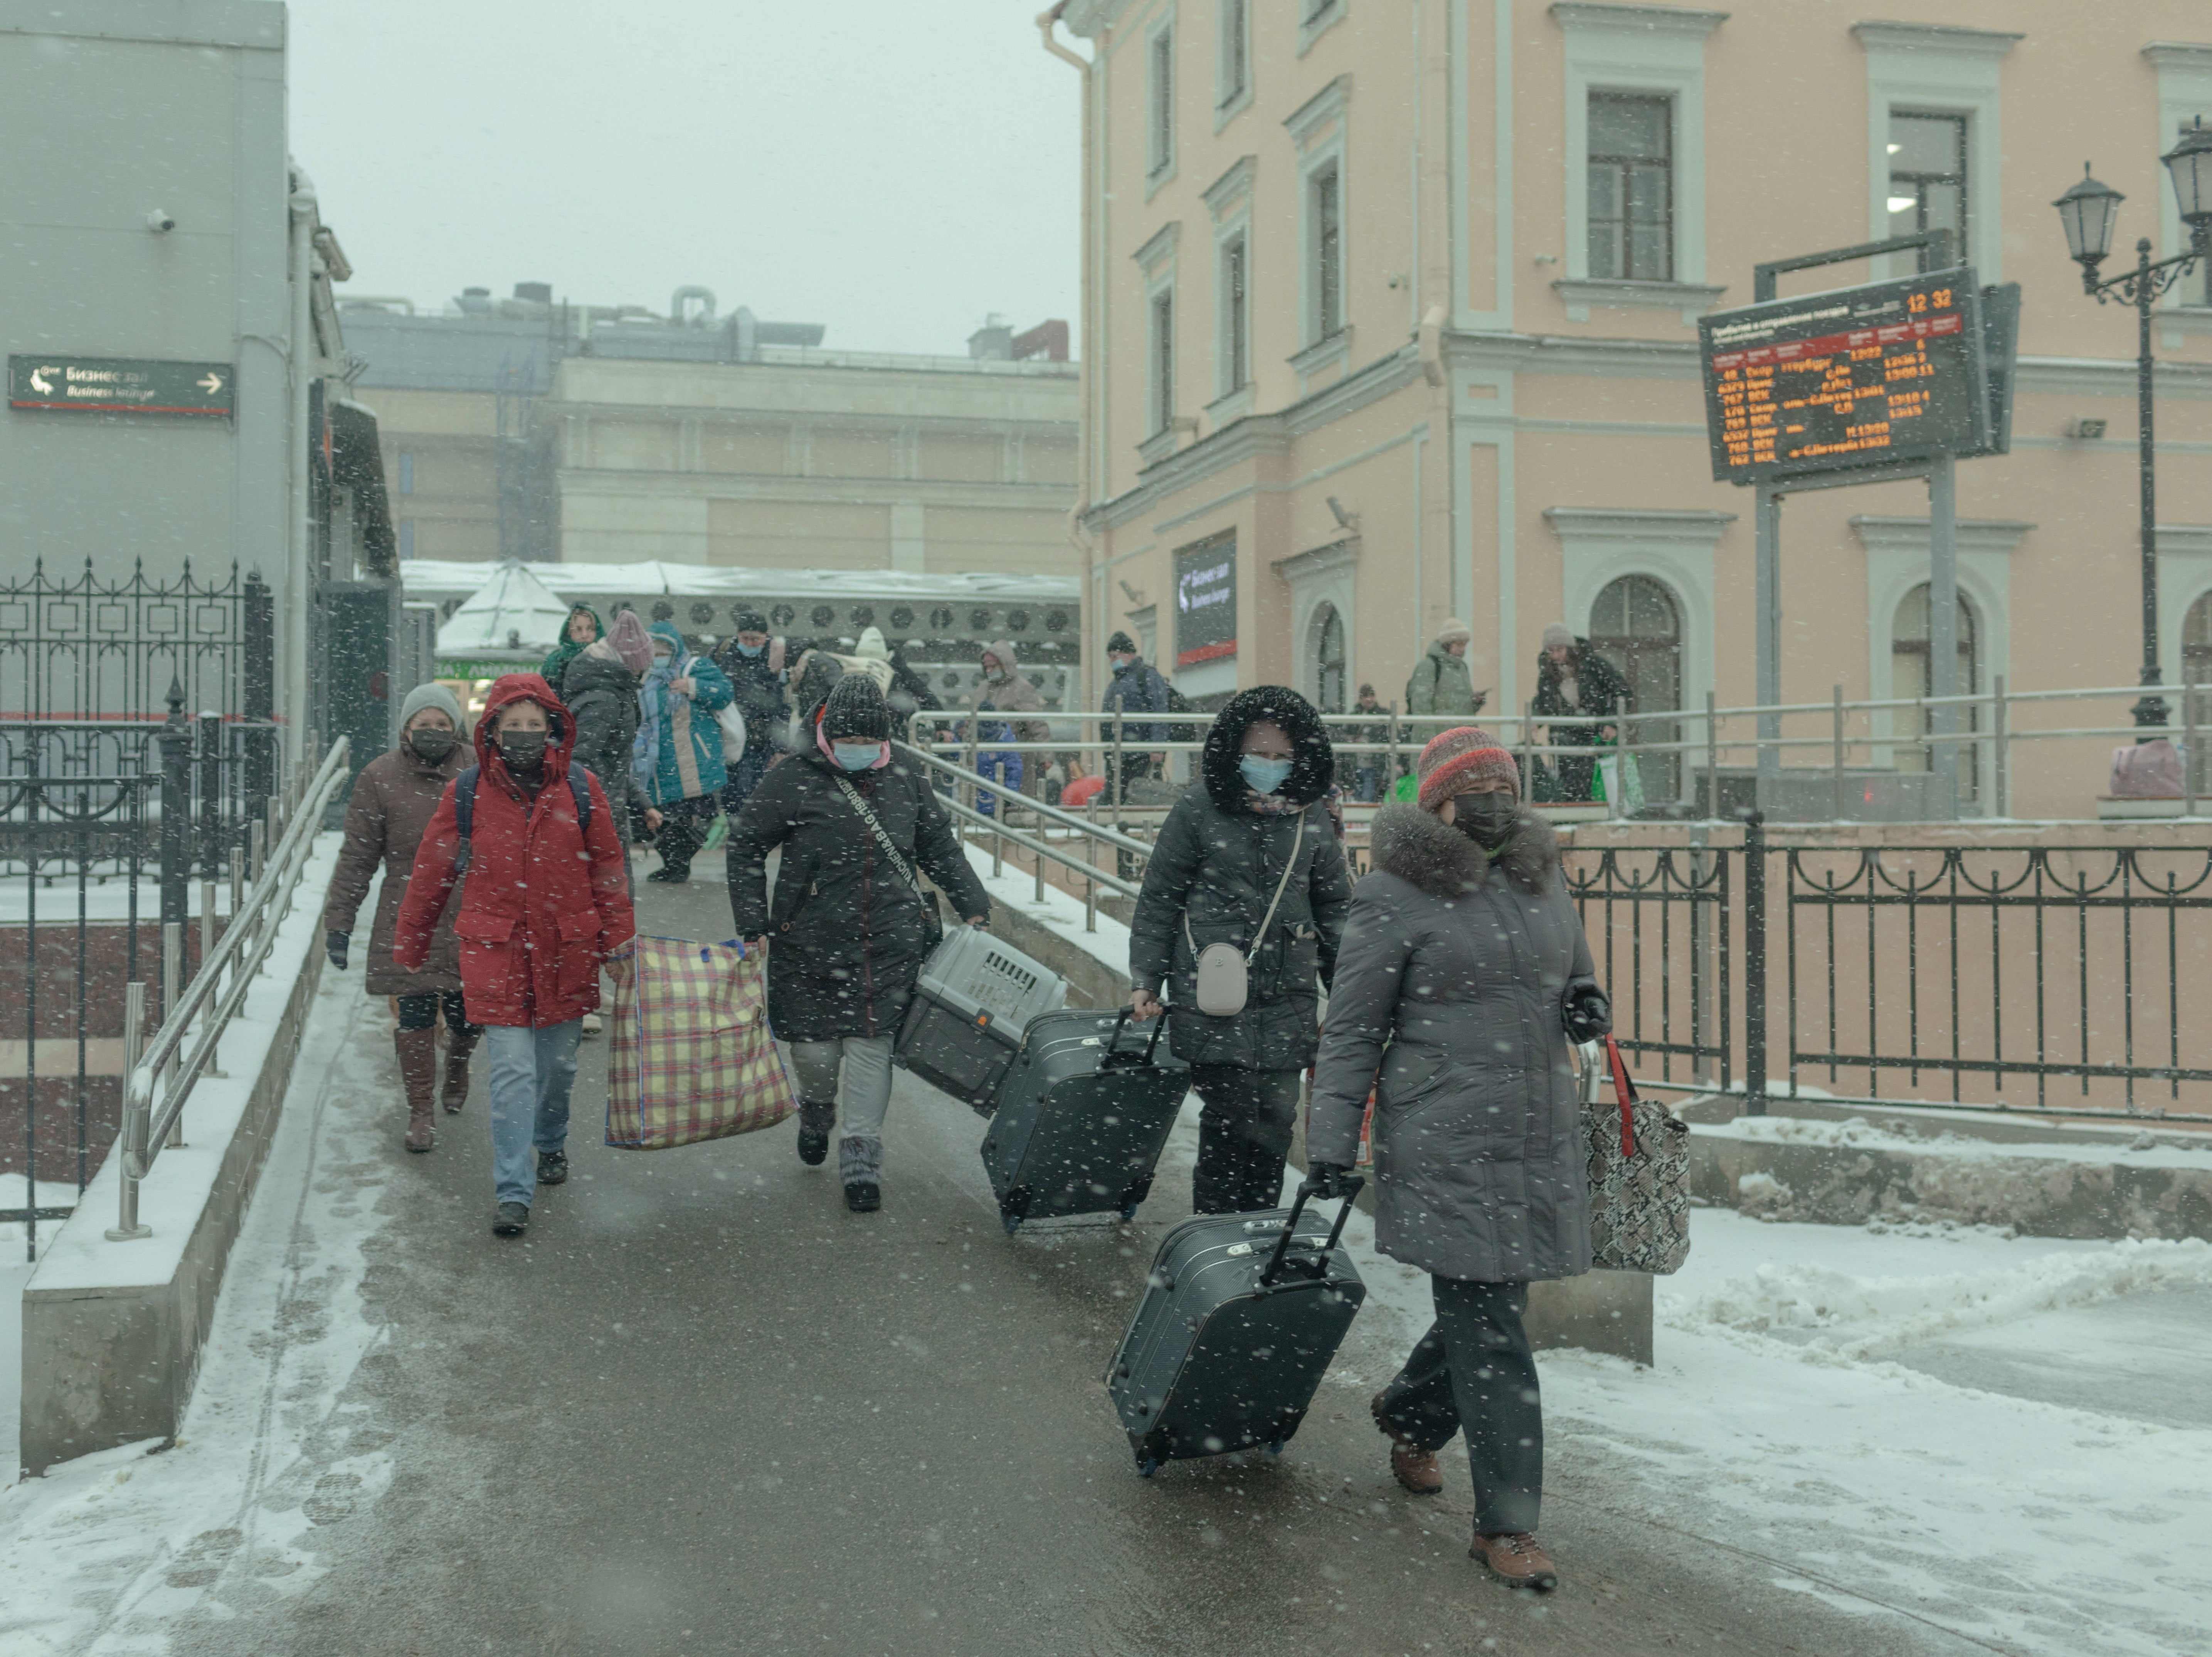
(893, 169)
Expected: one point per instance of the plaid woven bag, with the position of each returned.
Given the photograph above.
(690, 1055)
(1639, 1171)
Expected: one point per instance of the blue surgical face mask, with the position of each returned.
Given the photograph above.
(751, 650)
(1265, 776)
(857, 755)
(1121, 663)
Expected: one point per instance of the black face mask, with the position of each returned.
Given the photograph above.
(1489, 820)
(431, 745)
(523, 750)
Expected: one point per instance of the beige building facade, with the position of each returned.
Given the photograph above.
(1391, 315)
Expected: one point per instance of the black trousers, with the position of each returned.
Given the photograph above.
(1473, 1373)
(1244, 1129)
(420, 1012)
(683, 825)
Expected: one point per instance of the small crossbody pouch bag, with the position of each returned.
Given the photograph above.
(1224, 972)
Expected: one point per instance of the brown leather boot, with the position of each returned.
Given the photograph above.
(418, 1072)
(1410, 1464)
(459, 1044)
(1517, 1559)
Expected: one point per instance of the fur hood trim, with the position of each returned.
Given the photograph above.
(1413, 845)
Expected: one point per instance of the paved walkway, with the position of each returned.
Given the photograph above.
(702, 1408)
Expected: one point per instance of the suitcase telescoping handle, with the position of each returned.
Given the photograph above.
(1352, 1185)
(1159, 1025)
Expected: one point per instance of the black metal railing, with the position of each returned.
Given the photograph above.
(1660, 920)
(2064, 980)
(89, 648)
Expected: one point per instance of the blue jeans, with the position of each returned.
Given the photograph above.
(533, 1072)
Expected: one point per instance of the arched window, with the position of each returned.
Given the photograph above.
(1328, 659)
(2196, 676)
(1636, 625)
(1912, 673)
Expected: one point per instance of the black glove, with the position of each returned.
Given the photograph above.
(1326, 1179)
(336, 943)
(1588, 1012)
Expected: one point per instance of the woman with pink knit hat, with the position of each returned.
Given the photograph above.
(1463, 973)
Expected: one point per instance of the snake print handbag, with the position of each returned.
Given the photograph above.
(1639, 1170)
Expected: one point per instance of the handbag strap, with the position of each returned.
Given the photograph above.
(1624, 1091)
(861, 805)
(1260, 936)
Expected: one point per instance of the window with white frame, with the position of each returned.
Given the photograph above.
(1631, 198)
(1315, 17)
(1325, 248)
(1162, 355)
(1233, 350)
(1233, 73)
(1160, 100)
(1928, 175)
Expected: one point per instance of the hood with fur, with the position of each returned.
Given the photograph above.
(1313, 760)
(1413, 845)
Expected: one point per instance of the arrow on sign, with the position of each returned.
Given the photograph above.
(211, 383)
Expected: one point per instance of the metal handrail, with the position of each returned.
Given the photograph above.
(1098, 832)
(1037, 844)
(166, 1071)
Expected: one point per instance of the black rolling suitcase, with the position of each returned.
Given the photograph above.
(1240, 1320)
(1080, 1121)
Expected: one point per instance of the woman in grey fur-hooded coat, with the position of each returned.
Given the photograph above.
(1460, 961)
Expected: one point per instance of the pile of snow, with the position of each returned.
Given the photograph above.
(2180, 1149)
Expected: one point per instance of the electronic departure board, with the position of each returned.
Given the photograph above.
(1856, 377)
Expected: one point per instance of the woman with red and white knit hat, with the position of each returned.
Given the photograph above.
(1463, 971)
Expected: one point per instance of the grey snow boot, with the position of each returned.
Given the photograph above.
(860, 1161)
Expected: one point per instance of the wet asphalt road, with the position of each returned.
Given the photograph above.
(703, 1409)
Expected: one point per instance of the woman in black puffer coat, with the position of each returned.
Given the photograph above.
(847, 931)
(1259, 820)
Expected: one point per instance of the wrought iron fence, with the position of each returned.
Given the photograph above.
(84, 647)
(2027, 977)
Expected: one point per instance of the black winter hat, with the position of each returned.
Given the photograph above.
(854, 711)
(751, 621)
(1121, 641)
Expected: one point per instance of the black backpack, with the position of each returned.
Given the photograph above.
(1179, 703)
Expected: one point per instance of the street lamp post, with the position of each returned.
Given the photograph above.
(2088, 212)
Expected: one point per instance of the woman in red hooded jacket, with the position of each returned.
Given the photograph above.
(544, 903)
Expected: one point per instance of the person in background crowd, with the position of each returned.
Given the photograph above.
(910, 694)
(679, 747)
(753, 663)
(1002, 765)
(393, 800)
(545, 905)
(1441, 681)
(1007, 688)
(1257, 824)
(583, 627)
(600, 689)
(850, 925)
(1573, 680)
(1368, 769)
(813, 672)
(1462, 969)
(1136, 687)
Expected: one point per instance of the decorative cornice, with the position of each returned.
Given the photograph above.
(1322, 352)
(1231, 187)
(1692, 299)
(2111, 376)
(1934, 37)
(1343, 554)
(1323, 105)
(1629, 524)
(1655, 20)
(2186, 540)
(2179, 54)
(1161, 243)
(1912, 534)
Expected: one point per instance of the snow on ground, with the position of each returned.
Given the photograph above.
(2181, 1148)
(99, 1554)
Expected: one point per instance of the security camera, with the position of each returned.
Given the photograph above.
(159, 221)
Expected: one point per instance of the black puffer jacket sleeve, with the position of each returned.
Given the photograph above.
(1169, 875)
(764, 823)
(1329, 891)
(938, 850)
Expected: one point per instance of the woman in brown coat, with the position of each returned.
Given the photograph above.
(394, 799)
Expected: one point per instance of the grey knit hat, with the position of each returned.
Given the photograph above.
(430, 694)
(854, 711)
